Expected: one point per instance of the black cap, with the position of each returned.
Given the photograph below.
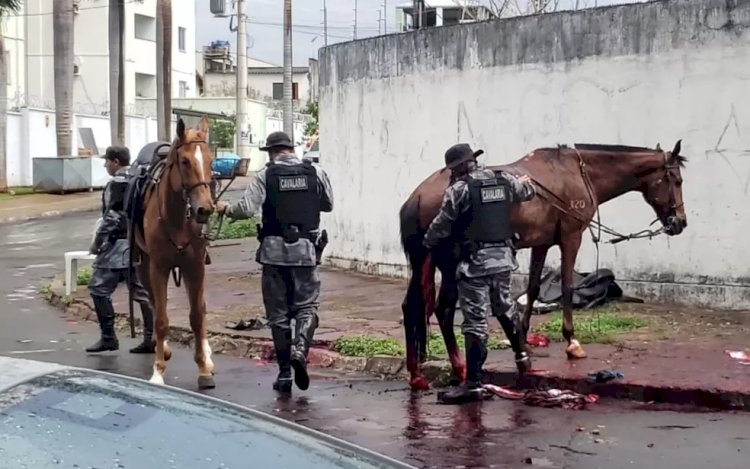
(277, 140)
(116, 152)
(460, 153)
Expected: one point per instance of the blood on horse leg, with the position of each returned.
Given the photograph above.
(569, 249)
(538, 256)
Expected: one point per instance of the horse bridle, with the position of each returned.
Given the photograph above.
(618, 237)
(187, 190)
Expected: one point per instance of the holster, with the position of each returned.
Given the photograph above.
(320, 245)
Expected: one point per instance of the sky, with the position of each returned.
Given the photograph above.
(265, 39)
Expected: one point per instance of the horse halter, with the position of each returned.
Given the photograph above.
(671, 182)
(187, 190)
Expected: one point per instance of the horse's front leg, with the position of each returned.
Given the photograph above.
(194, 286)
(569, 246)
(158, 279)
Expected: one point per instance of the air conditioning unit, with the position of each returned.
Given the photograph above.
(76, 5)
(76, 70)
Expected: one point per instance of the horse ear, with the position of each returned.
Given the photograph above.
(677, 148)
(203, 126)
(180, 129)
(658, 147)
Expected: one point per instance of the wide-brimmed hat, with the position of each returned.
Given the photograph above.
(277, 140)
(460, 153)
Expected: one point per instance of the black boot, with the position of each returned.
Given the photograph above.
(471, 390)
(514, 331)
(305, 327)
(282, 341)
(106, 315)
(147, 346)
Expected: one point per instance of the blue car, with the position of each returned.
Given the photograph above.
(54, 416)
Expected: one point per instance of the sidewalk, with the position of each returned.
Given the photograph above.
(32, 206)
(678, 358)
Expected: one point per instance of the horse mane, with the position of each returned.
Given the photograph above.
(679, 159)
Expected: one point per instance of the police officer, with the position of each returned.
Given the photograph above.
(290, 194)
(475, 213)
(110, 244)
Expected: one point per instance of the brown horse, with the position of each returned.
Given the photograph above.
(570, 185)
(176, 206)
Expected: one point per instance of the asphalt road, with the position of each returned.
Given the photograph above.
(380, 415)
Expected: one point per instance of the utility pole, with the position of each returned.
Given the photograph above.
(325, 23)
(355, 19)
(242, 130)
(380, 18)
(287, 105)
(416, 11)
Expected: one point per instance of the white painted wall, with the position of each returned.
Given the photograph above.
(260, 86)
(384, 134)
(31, 134)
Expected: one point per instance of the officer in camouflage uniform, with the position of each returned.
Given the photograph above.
(475, 213)
(110, 244)
(290, 194)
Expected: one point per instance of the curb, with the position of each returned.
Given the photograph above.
(438, 372)
(227, 343)
(49, 214)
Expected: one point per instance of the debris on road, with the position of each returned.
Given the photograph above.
(741, 356)
(559, 398)
(603, 376)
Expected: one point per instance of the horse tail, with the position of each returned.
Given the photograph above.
(418, 257)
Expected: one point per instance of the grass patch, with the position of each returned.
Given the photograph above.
(83, 276)
(45, 289)
(368, 346)
(597, 327)
(237, 230)
(16, 192)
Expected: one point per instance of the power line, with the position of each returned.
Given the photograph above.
(21, 15)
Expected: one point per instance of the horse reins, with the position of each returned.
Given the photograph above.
(618, 237)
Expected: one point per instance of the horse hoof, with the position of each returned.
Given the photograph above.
(157, 379)
(575, 351)
(419, 384)
(206, 382)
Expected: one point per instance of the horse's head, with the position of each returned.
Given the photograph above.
(192, 157)
(662, 189)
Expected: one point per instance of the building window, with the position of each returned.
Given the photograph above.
(181, 39)
(145, 85)
(183, 89)
(278, 91)
(145, 27)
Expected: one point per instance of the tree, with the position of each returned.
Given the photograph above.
(311, 127)
(6, 7)
(117, 71)
(62, 26)
(164, 68)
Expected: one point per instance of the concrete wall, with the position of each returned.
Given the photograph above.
(31, 134)
(633, 74)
